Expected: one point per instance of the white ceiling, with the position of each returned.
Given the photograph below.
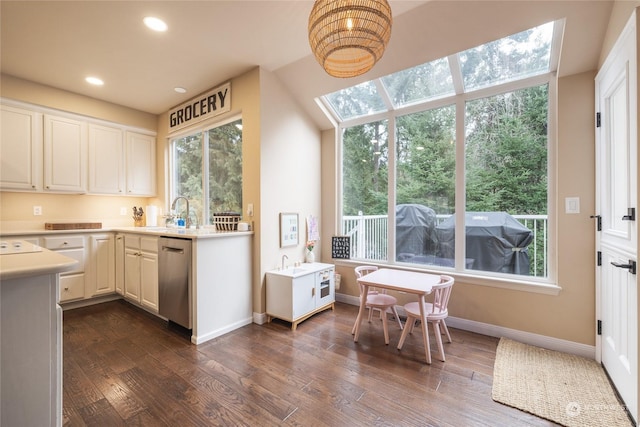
(59, 43)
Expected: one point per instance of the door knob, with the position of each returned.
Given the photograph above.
(631, 266)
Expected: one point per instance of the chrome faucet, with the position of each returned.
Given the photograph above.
(188, 218)
(283, 257)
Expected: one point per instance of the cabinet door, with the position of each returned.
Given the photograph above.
(149, 280)
(65, 155)
(106, 160)
(304, 295)
(132, 274)
(102, 264)
(141, 164)
(119, 264)
(20, 149)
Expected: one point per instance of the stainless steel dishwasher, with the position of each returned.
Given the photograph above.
(174, 280)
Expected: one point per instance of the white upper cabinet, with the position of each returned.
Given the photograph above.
(141, 164)
(65, 154)
(20, 149)
(41, 150)
(106, 160)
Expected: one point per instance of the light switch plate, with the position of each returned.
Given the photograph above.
(37, 210)
(572, 205)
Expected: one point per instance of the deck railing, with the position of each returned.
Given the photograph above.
(368, 235)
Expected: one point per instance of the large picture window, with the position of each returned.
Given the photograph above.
(206, 168)
(452, 174)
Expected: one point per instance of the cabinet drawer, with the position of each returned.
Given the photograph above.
(63, 242)
(78, 255)
(132, 241)
(71, 287)
(149, 244)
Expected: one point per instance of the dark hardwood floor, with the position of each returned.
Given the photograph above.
(123, 366)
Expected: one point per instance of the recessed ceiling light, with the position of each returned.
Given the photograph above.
(94, 81)
(155, 24)
(180, 89)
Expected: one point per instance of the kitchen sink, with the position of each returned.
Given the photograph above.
(292, 271)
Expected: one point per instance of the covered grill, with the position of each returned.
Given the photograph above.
(495, 241)
(415, 231)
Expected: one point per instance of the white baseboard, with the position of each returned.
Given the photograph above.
(537, 340)
(221, 331)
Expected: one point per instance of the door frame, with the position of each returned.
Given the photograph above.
(630, 27)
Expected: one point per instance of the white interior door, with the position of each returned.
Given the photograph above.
(616, 199)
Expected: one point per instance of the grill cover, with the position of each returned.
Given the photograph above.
(496, 241)
(415, 231)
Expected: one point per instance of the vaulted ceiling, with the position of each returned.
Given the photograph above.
(59, 43)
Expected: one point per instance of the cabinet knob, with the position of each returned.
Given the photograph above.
(33, 186)
(66, 288)
(65, 243)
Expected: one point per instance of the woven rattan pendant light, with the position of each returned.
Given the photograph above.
(348, 37)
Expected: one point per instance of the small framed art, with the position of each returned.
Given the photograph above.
(289, 229)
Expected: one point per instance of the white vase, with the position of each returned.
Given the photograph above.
(310, 257)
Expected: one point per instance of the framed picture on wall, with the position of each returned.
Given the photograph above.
(289, 229)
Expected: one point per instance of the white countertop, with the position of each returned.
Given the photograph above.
(34, 264)
(192, 233)
(202, 233)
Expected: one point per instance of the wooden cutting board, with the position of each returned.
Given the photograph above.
(71, 225)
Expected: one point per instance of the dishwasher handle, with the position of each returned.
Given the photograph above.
(174, 250)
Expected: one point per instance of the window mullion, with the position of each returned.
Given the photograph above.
(460, 241)
(391, 190)
(384, 94)
(456, 73)
(205, 179)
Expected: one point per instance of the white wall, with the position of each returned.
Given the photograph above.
(289, 172)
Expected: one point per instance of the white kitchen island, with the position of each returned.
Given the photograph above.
(220, 282)
(31, 337)
(220, 286)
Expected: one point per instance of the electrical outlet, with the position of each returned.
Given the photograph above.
(250, 209)
(37, 210)
(123, 210)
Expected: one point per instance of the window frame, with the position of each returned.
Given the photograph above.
(546, 285)
(202, 128)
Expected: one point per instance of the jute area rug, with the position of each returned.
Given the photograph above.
(563, 388)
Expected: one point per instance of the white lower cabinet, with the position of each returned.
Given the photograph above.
(119, 279)
(102, 265)
(94, 275)
(141, 270)
(72, 283)
(295, 294)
